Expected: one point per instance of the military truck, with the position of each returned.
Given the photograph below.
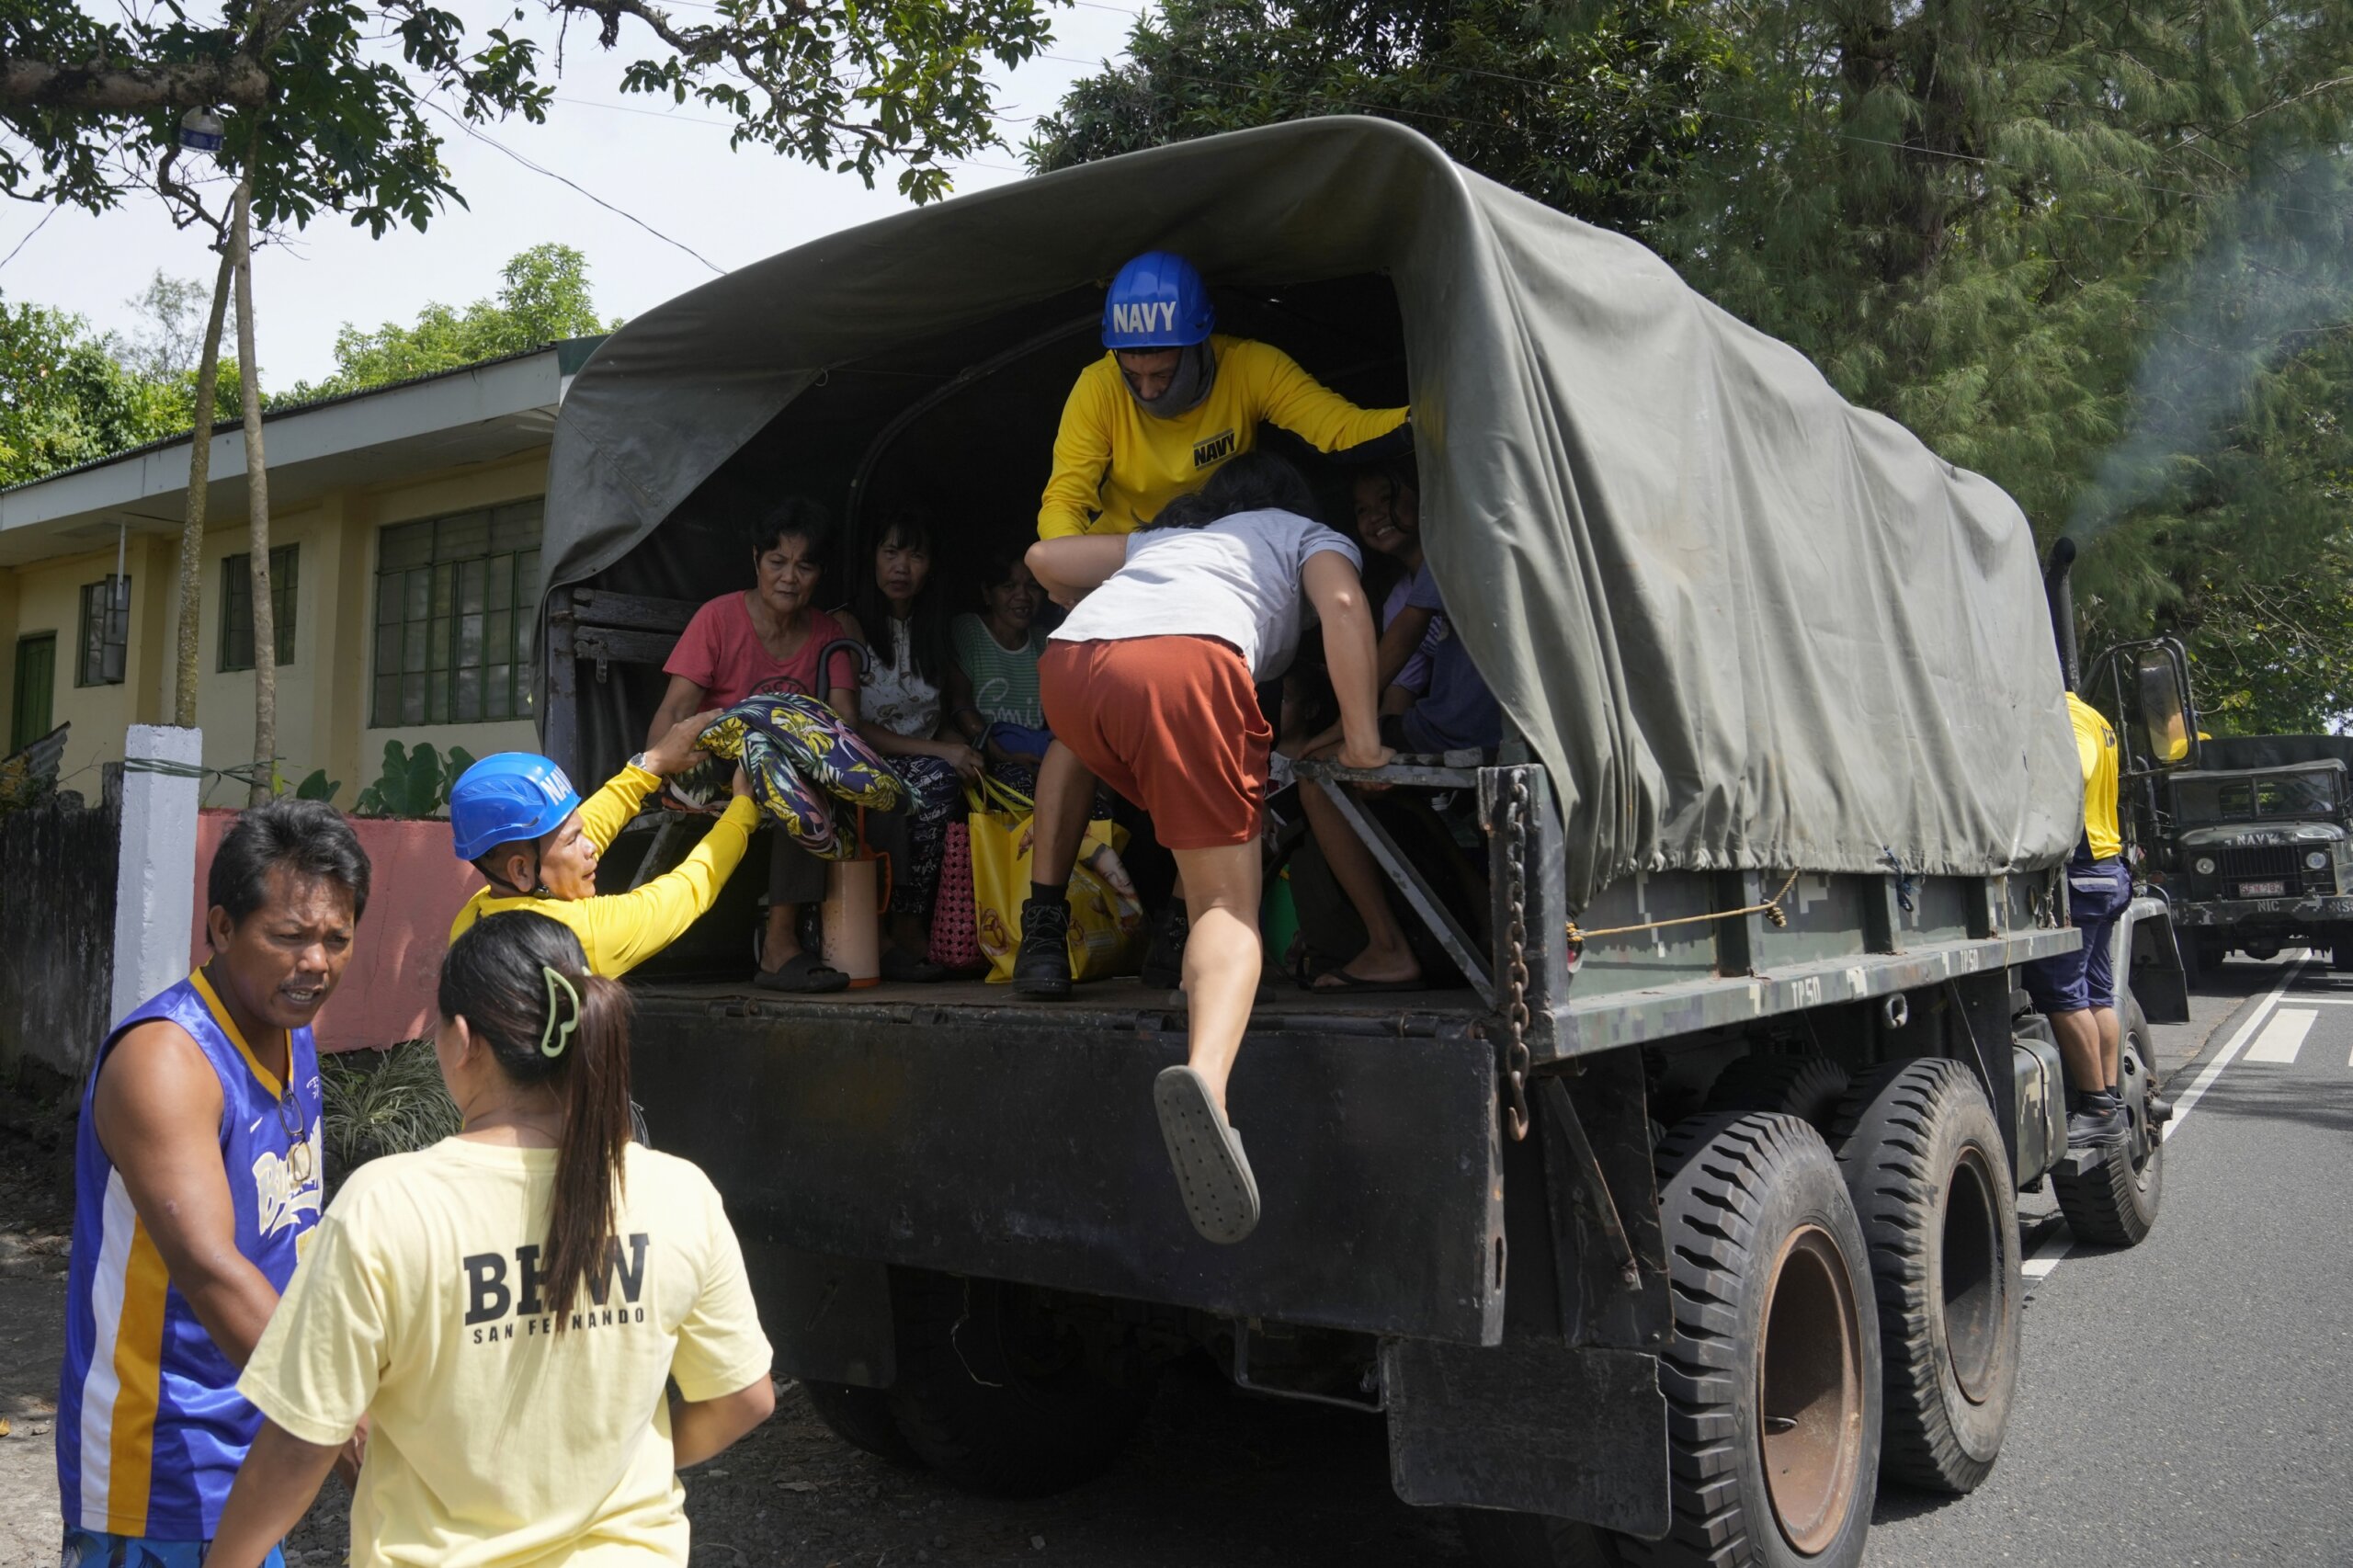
(1692, 1209)
(2247, 837)
(2258, 855)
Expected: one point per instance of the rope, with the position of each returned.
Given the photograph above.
(1770, 909)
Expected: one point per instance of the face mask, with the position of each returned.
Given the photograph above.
(1196, 372)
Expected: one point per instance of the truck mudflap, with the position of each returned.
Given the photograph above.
(2148, 960)
(1572, 1432)
(1020, 1143)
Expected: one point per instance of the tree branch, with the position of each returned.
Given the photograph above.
(106, 88)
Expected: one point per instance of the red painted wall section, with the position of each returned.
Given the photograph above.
(416, 887)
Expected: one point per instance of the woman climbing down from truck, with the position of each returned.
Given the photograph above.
(1153, 682)
(902, 616)
(590, 1272)
(770, 638)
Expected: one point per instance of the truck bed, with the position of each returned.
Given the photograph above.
(1113, 1004)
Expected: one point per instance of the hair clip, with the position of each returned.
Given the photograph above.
(552, 1039)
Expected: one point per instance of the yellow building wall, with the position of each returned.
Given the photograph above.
(324, 693)
(48, 599)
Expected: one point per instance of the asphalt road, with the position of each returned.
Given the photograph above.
(2189, 1401)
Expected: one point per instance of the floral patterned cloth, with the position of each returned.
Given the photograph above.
(797, 752)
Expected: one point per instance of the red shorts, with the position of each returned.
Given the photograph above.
(1170, 722)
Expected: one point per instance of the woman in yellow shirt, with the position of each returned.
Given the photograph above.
(507, 1307)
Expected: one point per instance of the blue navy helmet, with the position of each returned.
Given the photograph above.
(1157, 302)
(514, 795)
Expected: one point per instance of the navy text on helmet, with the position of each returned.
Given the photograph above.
(1158, 300)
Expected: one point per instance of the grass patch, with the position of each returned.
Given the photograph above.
(381, 1102)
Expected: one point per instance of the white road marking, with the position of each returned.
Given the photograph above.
(2188, 1098)
(2284, 1035)
(2046, 1258)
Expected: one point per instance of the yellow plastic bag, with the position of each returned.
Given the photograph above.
(1106, 916)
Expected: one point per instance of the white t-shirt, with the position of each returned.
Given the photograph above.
(1236, 580)
(497, 1442)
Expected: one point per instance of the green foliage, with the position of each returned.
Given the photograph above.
(381, 1102)
(317, 785)
(354, 98)
(544, 299)
(414, 783)
(2102, 253)
(1596, 119)
(63, 399)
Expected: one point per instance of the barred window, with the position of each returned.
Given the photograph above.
(456, 600)
(237, 607)
(106, 633)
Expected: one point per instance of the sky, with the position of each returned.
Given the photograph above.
(670, 169)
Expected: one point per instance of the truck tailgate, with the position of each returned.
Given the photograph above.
(1018, 1142)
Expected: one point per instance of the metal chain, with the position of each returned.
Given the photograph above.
(1516, 1018)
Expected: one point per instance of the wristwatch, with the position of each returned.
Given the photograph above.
(642, 763)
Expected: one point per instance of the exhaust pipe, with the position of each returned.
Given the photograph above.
(2060, 596)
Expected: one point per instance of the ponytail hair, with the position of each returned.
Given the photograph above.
(521, 983)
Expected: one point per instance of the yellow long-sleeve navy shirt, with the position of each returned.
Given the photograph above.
(1116, 466)
(620, 931)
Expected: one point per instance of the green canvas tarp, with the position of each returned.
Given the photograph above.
(1743, 623)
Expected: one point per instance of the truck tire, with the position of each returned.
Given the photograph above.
(1808, 1087)
(1929, 1173)
(997, 1396)
(1772, 1376)
(862, 1418)
(2114, 1203)
(1770, 1287)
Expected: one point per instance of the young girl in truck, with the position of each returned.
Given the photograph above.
(1153, 683)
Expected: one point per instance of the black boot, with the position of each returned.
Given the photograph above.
(1042, 968)
(2097, 1123)
(1164, 958)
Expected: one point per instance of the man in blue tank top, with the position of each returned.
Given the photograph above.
(197, 1183)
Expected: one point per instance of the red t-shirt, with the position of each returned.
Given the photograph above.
(720, 653)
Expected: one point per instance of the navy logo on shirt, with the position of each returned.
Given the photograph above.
(1215, 450)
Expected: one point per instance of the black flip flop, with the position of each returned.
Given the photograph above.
(802, 975)
(1212, 1172)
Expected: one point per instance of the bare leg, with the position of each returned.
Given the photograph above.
(781, 943)
(1222, 887)
(2078, 1036)
(1065, 790)
(2111, 1046)
(1386, 955)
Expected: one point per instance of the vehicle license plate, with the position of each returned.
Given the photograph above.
(2263, 890)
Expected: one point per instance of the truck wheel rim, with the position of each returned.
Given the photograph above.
(1973, 1277)
(2141, 1143)
(1809, 1391)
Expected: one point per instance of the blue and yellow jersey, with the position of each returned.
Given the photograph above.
(151, 1427)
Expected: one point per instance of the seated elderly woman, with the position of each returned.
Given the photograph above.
(770, 638)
